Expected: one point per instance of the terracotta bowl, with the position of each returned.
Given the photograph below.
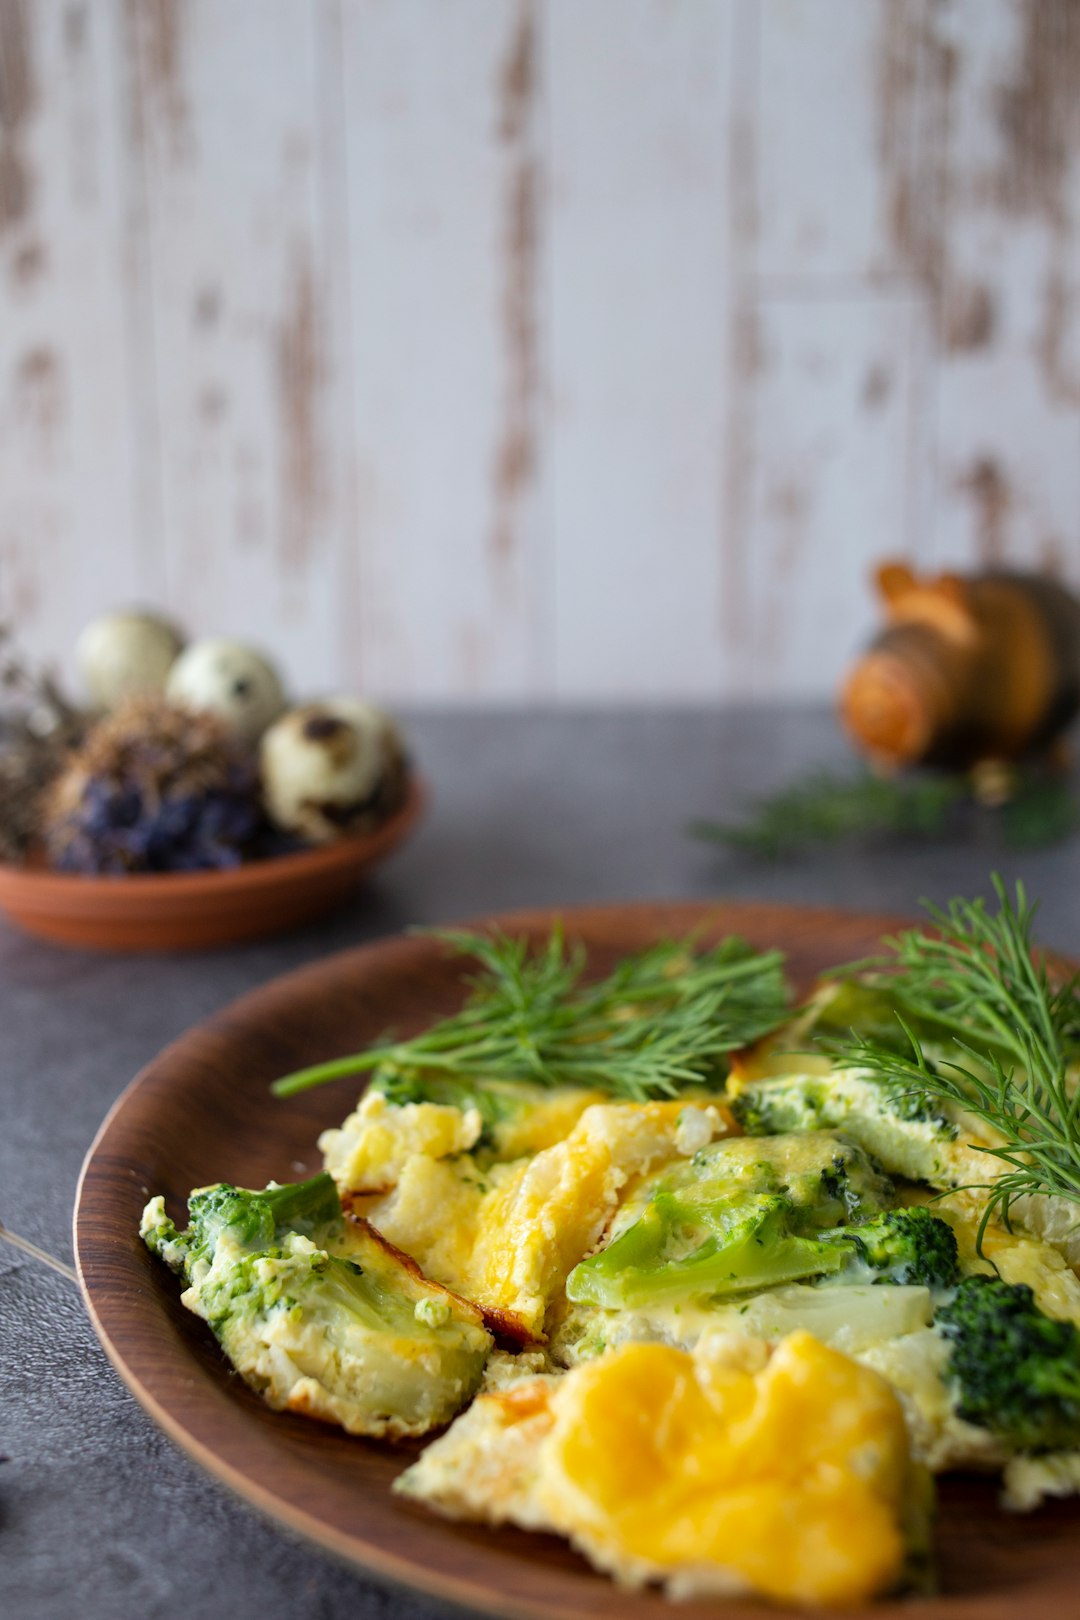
(186, 911)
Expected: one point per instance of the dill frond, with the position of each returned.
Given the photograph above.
(826, 808)
(1038, 807)
(662, 1019)
(1015, 1030)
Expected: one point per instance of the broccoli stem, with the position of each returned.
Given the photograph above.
(757, 1251)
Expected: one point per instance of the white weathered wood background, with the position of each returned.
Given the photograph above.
(533, 348)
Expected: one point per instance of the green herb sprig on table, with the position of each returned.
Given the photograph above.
(663, 1019)
(824, 808)
(1017, 1031)
(1036, 807)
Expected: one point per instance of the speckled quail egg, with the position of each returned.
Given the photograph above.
(232, 681)
(126, 654)
(332, 768)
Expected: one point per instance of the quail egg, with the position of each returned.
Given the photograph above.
(126, 654)
(230, 680)
(332, 768)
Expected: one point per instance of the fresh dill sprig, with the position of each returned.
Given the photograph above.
(1016, 1033)
(663, 1019)
(1043, 810)
(1037, 807)
(825, 808)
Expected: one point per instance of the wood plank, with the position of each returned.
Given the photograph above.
(832, 98)
(71, 540)
(640, 94)
(446, 205)
(1007, 376)
(241, 230)
(828, 487)
(422, 341)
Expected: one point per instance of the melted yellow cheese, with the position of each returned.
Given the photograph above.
(791, 1478)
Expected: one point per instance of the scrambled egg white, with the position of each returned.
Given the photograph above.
(506, 1233)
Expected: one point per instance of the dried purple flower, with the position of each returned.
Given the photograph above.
(154, 788)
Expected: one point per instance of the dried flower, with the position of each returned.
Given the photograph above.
(38, 729)
(154, 788)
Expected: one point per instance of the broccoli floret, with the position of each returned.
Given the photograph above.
(252, 1221)
(849, 1187)
(907, 1135)
(779, 1107)
(257, 1220)
(813, 1102)
(805, 1099)
(740, 1216)
(907, 1246)
(321, 1315)
(749, 1245)
(1013, 1370)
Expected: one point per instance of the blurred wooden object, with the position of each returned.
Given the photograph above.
(968, 669)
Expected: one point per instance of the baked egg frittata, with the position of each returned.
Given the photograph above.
(748, 1296)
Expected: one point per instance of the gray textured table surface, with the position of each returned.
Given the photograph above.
(99, 1514)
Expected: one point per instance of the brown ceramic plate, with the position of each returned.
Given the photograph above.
(201, 1112)
(183, 911)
